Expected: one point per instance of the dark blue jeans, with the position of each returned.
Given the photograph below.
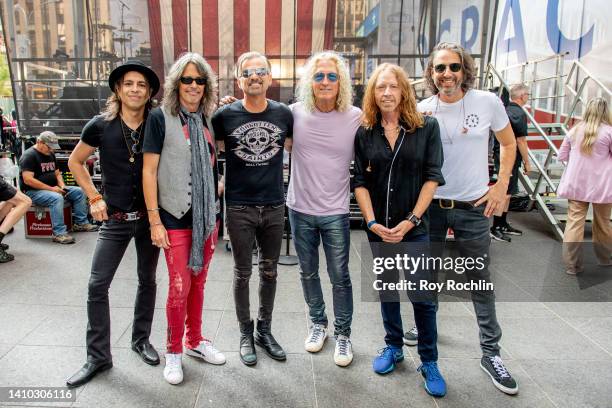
(471, 229)
(113, 240)
(334, 231)
(424, 316)
(55, 202)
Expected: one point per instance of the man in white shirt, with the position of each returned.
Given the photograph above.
(466, 201)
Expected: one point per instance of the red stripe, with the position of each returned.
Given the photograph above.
(241, 27)
(180, 25)
(210, 32)
(157, 55)
(328, 41)
(274, 11)
(304, 28)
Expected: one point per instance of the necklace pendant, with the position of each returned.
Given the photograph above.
(132, 159)
(464, 130)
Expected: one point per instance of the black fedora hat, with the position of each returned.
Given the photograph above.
(138, 66)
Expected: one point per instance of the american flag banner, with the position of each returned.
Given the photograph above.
(284, 30)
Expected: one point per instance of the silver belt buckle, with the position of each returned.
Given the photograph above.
(132, 216)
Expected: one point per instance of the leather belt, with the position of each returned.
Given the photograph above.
(127, 216)
(450, 204)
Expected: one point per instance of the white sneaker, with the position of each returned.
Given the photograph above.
(343, 355)
(173, 372)
(207, 352)
(316, 338)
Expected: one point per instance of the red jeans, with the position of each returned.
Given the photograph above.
(185, 291)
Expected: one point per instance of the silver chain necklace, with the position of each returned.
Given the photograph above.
(449, 135)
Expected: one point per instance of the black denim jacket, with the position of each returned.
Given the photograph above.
(394, 178)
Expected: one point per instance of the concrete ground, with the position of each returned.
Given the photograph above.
(559, 352)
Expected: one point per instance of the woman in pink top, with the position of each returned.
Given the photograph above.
(587, 150)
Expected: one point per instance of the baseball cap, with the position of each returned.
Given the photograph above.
(49, 138)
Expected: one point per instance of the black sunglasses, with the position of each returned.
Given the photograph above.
(189, 80)
(454, 67)
(136, 148)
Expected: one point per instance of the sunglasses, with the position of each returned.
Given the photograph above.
(257, 71)
(189, 80)
(454, 67)
(136, 148)
(320, 76)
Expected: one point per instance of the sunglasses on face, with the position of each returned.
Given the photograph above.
(189, 80)
(320, 76)
(454, 67)
(257, 71)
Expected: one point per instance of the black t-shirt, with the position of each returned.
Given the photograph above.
(121, 179)
(253, 152)
(42, 165)
(518, 121)
(154, 143)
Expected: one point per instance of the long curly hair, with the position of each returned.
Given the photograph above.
(345, 91)
(171, 84)
(407, 107)
(467, 64)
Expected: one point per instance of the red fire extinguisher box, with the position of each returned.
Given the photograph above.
(38, 221)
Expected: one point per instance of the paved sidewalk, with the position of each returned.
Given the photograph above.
(560, 353)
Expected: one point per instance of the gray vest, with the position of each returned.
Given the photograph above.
(174, 171)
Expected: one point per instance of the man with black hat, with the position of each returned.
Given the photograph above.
(117, 133)
(42, 181)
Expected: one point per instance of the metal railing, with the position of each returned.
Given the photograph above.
(576, 85)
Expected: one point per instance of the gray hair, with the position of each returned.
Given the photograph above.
(517, 89)
(172, 83)
(247, 56)
(345, 92)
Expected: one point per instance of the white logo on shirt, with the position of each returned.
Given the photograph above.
(258, 141)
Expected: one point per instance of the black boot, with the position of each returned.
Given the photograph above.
(247, 344)
(265, 339)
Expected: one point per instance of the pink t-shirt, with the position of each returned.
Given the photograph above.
(587, 177)
(323, 146)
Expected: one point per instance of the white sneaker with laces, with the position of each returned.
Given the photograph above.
(173, 372)
(343, 355)
(207, 352)
(316, 338)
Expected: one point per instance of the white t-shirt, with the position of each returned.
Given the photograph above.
(464, 129)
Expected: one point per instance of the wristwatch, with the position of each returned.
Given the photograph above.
(414, 219)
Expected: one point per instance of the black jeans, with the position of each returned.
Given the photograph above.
(248, 225)
(113, 240)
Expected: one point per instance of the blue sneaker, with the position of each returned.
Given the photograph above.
(434, 382)
(387, 357)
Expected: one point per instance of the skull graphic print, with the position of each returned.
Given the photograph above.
(257, 142)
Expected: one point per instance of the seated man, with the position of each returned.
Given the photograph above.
(13, 205)
(43, 183)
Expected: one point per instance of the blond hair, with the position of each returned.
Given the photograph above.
(407, 107)
(345, 91)
(596, 114)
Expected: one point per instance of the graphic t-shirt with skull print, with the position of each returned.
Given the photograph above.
(253, 152)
